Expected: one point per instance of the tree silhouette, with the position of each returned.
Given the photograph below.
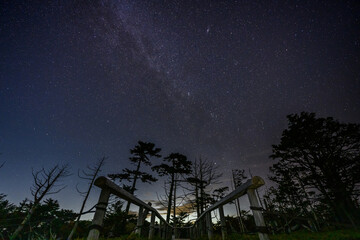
(49, 220)
(180, 219)
(89, 175)
(238, 177)
(114, 223)
(141, 155)
(45, 183)
(178, 166)
(204, 174)
(6, 210)
(320, 154)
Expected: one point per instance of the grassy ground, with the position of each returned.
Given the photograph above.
(127, 237)
(328, 235)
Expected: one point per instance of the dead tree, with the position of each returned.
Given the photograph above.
(45, 183)
(90, 176)
(204, 175)
(176, 200)
(2, 164)
(238, 177)
(178, 166)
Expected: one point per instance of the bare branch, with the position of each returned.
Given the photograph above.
(94, 171)
(44, 184)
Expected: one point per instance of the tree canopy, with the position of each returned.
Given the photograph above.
(320, 156)
(141, 155)
(178, 165)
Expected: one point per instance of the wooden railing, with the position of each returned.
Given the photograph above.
(203, 224)
(108, 187)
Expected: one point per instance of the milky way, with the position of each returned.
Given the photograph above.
(206, 78)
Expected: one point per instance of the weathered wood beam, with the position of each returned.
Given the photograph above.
(103, 182)
(97, 222)
(152, 226)
(139, 222)
(259, 219)
(253, 183)
(223, 223)
(209, 226)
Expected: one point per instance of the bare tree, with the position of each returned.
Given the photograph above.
(238, 176)
(45, 183)
(2, 164)
(90, 176)
(203, 177)
(178, 199)
(178, 166)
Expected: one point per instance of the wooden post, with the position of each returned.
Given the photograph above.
(223, 223)
(199, 227)
(201, 230)
(139, 220)
(152, 226)
(198, 234)
(166, 234)
(209, 226)
(196, 230)
(99, 215)
(161, 229)
(143, 217)
(195, 233)
(256, 209)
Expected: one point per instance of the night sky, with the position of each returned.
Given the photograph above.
(83, 80)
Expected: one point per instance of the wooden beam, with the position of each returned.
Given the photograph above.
(139, 220)
(252, 183)
(259, 219)
(209, 226)
(223, 223)
(103, 182)
(152, 226)
(99, 215)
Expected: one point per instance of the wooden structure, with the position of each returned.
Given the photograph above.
(202, 226)
(108, 187)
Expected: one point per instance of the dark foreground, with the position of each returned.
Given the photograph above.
(301, 235)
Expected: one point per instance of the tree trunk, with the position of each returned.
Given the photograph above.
(22, 224)
(174, 223)
(196, 190)
(197, 200)
(202, 195)
(73, 229)
(346, 211)
(170, 198)
(85, 200)
(133, 187)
